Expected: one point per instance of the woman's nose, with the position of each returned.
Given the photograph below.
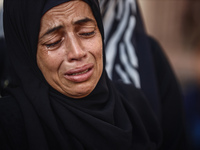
(75, 49)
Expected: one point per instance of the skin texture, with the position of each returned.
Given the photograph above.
(69, 50)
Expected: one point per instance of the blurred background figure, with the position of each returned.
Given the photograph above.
(191, 40)
(176, 25)
(125, 40)
(163, 21)
(134, 57)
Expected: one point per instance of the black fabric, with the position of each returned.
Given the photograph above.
(2, 52)
(106, 119)
(172, 113)
(5, 76)
(149, 83)
(192, 103)
(2, 62)
(143, 128)
(12, 129)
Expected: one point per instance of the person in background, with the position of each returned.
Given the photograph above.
(133, 57)
(191, 40)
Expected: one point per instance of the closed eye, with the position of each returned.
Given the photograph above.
(54, 44)
(87, 34)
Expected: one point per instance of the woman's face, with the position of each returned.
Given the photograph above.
(69, 50)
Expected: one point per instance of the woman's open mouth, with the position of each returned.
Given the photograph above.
(74, 74)
(80, 74)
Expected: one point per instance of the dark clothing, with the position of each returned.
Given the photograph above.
(112, 116)
(192, 103)
(171, 105)
(105, 128)
(170, 131)
(2, 62)
(12, 127)
(5, 76)
(105, 119)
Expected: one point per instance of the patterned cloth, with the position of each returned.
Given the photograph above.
(119, 23)
(128, 51)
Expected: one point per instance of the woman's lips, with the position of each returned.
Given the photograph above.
(80, 74)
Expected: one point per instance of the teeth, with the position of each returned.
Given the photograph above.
(80, 72)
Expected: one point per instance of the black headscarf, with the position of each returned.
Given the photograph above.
(106, 119)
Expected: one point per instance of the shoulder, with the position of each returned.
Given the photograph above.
(168, 84)
(172, 111)
(137, 106)
(160, 59)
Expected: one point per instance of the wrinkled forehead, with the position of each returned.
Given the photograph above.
(93, 4)
(69, 14)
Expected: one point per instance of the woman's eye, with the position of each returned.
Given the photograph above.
(87, 34)
(52, 45)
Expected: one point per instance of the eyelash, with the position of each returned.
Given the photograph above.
(53, 44)
(87, 34)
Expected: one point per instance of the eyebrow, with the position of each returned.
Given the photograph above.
(83, 21)
(78, 22)
(51, 30)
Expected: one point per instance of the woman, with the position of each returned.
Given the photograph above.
(61, 97)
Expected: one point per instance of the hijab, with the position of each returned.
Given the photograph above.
(105, 119)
